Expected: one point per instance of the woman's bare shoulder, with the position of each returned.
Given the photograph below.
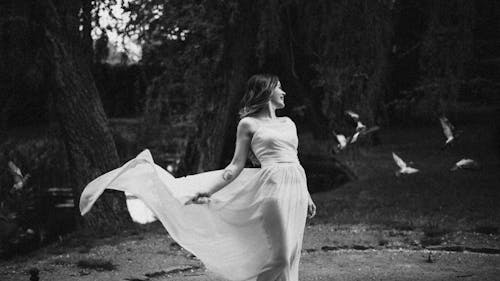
(287, 119)
(248, 124)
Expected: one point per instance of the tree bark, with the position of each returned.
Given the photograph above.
(90, 145)
(213, 145)
(61, 62)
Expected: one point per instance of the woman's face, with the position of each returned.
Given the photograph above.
(278, 97)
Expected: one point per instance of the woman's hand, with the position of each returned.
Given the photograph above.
(311, 209)
(200, 198)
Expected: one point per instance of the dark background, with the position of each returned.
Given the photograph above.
(72, 108)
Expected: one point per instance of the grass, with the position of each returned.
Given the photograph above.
(435, 201)
(486, 229)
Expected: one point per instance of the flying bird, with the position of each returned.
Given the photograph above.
(354, 137)
(466, 164)
(403, 168)
(19, 179)
(342, 141)
(449, 131)
(359, 125)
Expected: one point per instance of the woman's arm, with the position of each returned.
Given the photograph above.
(243, 137)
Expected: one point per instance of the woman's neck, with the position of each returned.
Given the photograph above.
(267, 113)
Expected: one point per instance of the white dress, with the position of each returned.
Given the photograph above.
(252, 229)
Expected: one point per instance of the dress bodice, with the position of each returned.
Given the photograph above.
(275, 142)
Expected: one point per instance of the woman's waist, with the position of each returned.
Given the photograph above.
(269, 162)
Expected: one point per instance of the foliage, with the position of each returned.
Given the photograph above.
(29, 209)
(336, 55)
(446, 52)
(185, 39)
(350, 55)
(324, 46)
(436, 58)
(40, 156)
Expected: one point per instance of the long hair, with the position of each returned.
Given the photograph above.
(259, 90)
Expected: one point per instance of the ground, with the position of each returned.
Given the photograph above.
(154, 254)
(433, 225)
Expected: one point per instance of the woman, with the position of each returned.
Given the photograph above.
(242, 223)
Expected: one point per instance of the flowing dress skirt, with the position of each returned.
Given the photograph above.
(252, 229)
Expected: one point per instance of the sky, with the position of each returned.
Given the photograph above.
(127, 44)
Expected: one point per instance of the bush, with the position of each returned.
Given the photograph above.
(29, 209)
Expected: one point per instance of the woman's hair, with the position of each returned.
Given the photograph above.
(259, 90)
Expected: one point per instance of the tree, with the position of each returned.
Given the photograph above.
(331, 55)
(447, 53)
(202, 52)
(50, 36)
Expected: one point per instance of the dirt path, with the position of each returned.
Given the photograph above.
(153, 256)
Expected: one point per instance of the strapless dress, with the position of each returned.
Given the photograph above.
(252, 229)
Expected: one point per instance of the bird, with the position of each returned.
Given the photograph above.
(466, 164)
(449, 131)
(354, 137)
(403, 168)
(19, 179)
(342, 141)
(359, 125)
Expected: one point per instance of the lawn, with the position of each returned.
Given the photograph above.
(435, 201)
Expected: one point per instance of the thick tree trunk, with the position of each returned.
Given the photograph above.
(213, 145)
(59, 62)
(89, 142)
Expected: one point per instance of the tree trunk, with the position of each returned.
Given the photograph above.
(53, 29)
(89, 142)
(213, 145)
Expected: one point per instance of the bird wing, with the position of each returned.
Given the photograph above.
(14, 170)
(446, 127)
(355, 137)
(370, 130)
(398, 161)
(352, 114)
(342, 140)
(410, 170)
(465, 162)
